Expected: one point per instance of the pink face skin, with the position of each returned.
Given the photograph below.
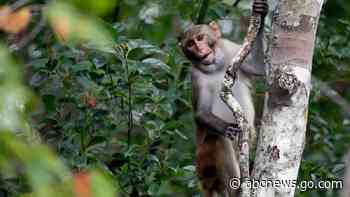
(200, 48)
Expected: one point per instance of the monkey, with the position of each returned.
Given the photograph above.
(210, 54)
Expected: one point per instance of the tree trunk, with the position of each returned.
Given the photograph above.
(346, 181)
(282, 135)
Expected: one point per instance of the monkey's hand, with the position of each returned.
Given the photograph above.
(232, 131)
(260, 7)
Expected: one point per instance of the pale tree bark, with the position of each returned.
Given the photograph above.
(282, 135)
(346, 181)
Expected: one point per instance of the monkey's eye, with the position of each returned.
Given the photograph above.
(200, 37)
(190, 43)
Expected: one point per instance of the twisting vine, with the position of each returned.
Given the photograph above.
(227, 96)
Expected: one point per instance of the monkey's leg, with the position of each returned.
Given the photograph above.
(231, 168)
(207, 167)
(216, 165)
(229, 192)
(226, 194)
(209, 193)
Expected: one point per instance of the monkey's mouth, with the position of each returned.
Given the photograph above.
(207, 59)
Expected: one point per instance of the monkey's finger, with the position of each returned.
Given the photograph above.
(231, 137)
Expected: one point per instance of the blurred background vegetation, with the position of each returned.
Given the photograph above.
(95, 96)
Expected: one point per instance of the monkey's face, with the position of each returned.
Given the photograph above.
(199, 45)
(200, 50)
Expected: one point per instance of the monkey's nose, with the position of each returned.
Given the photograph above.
(201, 52)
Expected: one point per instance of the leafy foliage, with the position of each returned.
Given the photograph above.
(25, 165)
(113, 94)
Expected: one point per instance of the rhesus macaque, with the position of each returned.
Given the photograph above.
(203, 45)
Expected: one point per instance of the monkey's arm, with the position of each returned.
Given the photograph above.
(214, 124)
(202, 103)
(255, 61)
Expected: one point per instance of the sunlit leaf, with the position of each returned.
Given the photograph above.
(14, 21)
(12, 103)
(149, 13)
(82, 184)
(74, 27)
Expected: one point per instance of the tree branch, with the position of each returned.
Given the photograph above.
(31, 36)
(333, 95)
(19, 4)
(227, 96)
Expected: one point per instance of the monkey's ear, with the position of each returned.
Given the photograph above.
(216, 29)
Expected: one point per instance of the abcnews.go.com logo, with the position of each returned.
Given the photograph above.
(235, 183)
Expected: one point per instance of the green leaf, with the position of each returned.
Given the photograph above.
(86, 82)
(39, 63)
(156, 64)
(96, 140)
(100, 7)
(82, 66)
(50, 102)
(181, 134)
(102, 185)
